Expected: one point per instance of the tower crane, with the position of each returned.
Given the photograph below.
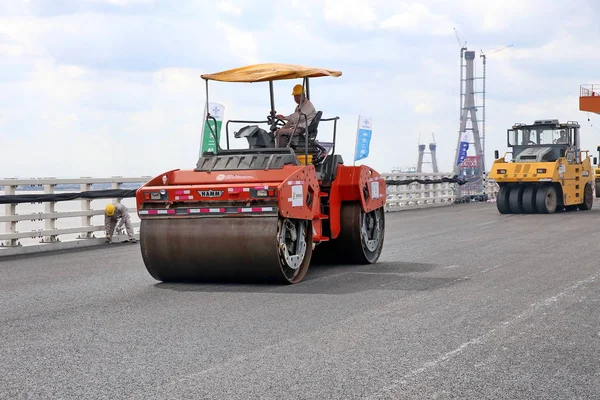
(461, 45)
(484, 55)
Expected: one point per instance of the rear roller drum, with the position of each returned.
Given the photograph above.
(362, 235)
(546, 200)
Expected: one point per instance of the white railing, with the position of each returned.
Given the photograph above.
(51, 221)
(46, 225)
(425, 195)
(417, 195)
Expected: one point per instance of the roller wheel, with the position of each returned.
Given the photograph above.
(597, 187)
(515, 200)
(546, 199)
(362, 235)
(588, 198)
(502, 200)
(294, 239)
(268, 249)
(529, 200)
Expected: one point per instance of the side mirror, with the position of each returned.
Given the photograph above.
(497, 154)
(595, 160)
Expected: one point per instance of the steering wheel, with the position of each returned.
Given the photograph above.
(275, 123)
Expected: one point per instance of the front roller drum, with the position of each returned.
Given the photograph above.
(361, 237)
(233, 249)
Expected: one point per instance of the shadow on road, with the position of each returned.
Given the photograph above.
(334, 280)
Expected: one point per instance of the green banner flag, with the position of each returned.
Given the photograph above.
(208, 141)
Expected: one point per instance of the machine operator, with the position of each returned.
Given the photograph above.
(114, 213)
(295, 122)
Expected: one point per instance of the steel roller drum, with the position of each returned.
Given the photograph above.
(242, 249)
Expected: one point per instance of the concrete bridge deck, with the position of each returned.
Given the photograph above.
(465, 303)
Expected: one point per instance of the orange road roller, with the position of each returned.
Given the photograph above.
(257, 214)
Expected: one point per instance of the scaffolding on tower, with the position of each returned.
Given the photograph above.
(470, 136)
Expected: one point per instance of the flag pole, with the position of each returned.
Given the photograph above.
(202, 127)
(356, 141)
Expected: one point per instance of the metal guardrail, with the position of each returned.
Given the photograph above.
(592, 90)
(50, 233)
(418, 195)
(400, 197)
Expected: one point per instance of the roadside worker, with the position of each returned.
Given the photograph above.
(112, 214)
(295, 121)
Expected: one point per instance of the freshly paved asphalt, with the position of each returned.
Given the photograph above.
(464, 303)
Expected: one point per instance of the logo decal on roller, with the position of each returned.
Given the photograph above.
(222, 177)
(210, 193)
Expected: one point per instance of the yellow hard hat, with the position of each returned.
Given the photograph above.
(110, 210)
(298, 89)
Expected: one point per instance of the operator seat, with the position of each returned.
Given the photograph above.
(298, 142)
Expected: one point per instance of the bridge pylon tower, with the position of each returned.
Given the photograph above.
(432, 154)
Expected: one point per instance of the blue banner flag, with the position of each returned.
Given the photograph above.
(463, 148)
(363, 138)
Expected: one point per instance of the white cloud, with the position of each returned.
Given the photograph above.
(241, 43)
(353, 13)
(416, 17)
(120, 93)
(122, 2)
(229, 7)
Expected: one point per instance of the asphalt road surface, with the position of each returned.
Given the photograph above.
(464, 303)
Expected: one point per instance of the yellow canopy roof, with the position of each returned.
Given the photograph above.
(269, 72)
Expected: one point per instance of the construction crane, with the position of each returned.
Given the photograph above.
(461, 45)
(484, 56)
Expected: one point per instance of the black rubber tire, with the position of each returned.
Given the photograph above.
(350, 246)
(502, 200)
(529, 206)
(597, 187)
(588, 198)
(546, 199)
(515, 200)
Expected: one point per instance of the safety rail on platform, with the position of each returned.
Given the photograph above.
(50, 233)
(590, 90)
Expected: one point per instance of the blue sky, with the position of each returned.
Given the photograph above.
(113, 87)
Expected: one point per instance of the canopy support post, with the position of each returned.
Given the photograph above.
(272, 99)
(306, 80)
